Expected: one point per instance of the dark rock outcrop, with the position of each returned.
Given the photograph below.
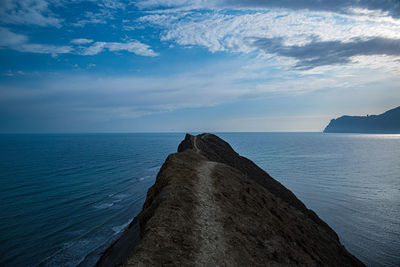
(211, 206)
(386, 123)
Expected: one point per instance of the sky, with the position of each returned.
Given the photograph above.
(195, 65)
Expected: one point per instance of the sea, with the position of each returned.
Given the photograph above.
(65, 197)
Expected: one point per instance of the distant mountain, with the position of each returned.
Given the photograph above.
(388, 122)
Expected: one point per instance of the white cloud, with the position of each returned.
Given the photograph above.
(30, 12)
(94, 49)
(147, 4)
(105, 11)
(113, 4)
(40, 12)
(44, 49)
(135, 47)
(220, 30)
(80, 41)
(386, 7)
(99, 17)
(90, 66)
(20, 43)
(8, 38)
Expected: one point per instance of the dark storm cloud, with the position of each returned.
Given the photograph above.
(390, 6)
(318, 53)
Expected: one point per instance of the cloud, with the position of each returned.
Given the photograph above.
(221, 31)
(148, 4)
(99, 17)
(90, 66)
(235, 33)
(342, 6)
(279, 48)
(123, 96)
(113, 4)
(391, 7)
(20, 43)
(28, 12)
(135, 47)
(103, 11)
(90, 99)
(44, 49)
(80, 41)
(213, 85)
(8, 38)
(41, 12)
(317, 53)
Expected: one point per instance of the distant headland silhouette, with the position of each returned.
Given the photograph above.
(385, 123)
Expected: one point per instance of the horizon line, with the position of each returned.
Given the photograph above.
(153, 132)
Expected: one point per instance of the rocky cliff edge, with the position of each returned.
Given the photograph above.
(210, 206)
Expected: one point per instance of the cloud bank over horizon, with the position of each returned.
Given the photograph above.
(95, 62)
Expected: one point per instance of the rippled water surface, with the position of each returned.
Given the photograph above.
(64, 198)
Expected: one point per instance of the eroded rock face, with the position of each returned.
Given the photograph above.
(210, 206)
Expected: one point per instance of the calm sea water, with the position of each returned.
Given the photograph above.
(64, 198)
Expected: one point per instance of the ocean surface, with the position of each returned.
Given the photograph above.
(65, 197)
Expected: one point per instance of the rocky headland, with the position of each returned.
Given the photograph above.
(210, 206)
(385, 123)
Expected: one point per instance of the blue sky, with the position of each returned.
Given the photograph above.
(195, 65)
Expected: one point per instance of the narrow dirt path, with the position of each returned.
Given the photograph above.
(209, 230)
(196, 148)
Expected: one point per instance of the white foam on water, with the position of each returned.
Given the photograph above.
(145, 177)
(119, 197)
(155, 168)
(72, 252)
(119, 228)
(103, 205)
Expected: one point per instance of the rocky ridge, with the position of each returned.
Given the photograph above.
(210, 206)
